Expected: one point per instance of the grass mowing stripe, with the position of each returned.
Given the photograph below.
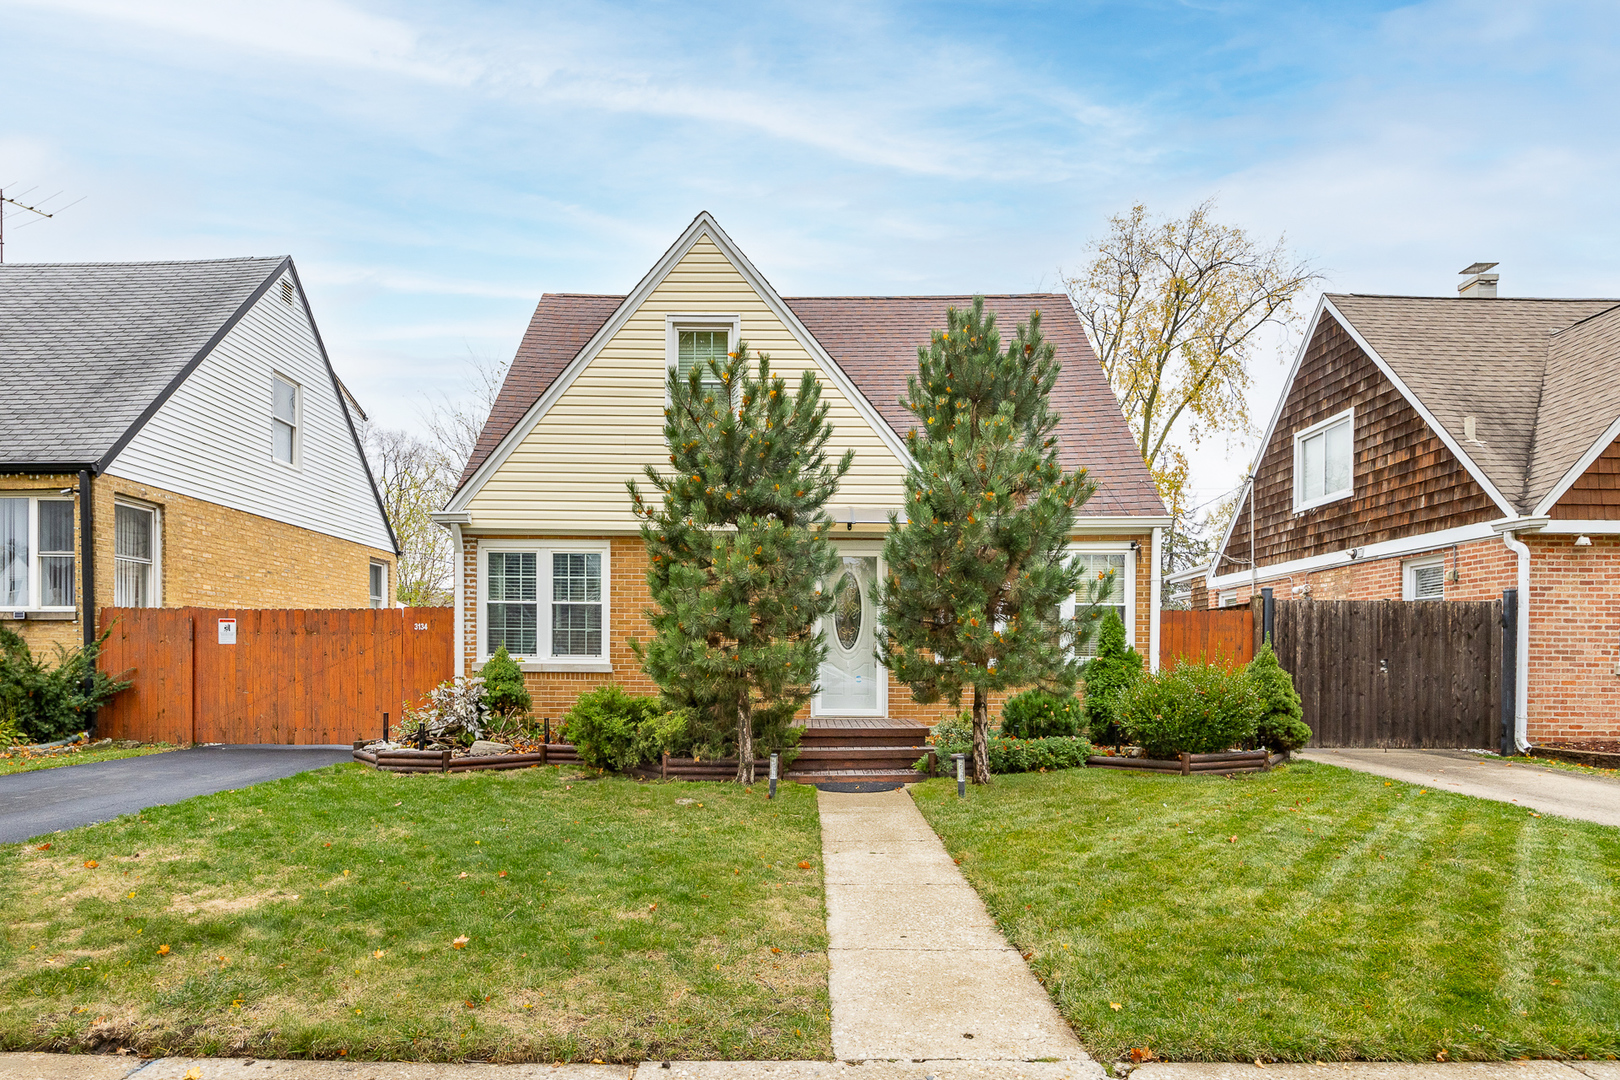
(1297, 942)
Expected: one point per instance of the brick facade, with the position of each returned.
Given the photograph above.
(210, 556)
(628, 597)
(1574, 618)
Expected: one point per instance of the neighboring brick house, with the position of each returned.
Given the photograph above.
(1428, 448)
(551, 562)
(172, 434)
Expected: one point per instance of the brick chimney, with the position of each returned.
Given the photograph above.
(1480, 285)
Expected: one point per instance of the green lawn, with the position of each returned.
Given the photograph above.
(15, 761)
(320, 916)
(1350, 918)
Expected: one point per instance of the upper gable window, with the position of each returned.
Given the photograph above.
(697, 348)
(283, 420)
(1323, 459)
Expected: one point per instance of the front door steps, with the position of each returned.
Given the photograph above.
(841, 750)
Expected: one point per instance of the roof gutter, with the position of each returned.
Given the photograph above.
(54, 468)
(1521, 659)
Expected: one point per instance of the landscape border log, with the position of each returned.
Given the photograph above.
(1597, 759)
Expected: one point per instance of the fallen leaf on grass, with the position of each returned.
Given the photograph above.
(501, 874)
(774, 949)
(90, 864)
(653, 906)
(461, 875)
(1140, 1054)
(163, 950)
(804, 866)
(1116, 1006)
(378, 955)
(460, 942)
(43, 847)
(1231, 840)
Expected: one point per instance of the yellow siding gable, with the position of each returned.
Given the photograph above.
(568, 473)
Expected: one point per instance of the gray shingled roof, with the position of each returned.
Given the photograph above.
(86, 348)
(1541, 377)
(874, 340)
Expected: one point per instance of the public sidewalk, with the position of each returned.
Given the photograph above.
(1509, 780)
(917, 969)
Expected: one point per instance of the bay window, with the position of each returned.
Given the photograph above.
(38, 565)
(546, 603)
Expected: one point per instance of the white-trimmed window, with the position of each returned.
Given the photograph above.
(692, 341)
(1229, 599)
(284, 410)
(378, 583)
(37, 560)
(1099, 561)
(135, 556)
(547, 603)
(1324, 459)
(1424, 579)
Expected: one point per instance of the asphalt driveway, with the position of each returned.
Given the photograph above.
(47, 800)
(1537, 787)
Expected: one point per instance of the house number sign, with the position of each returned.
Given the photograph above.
(227, 631)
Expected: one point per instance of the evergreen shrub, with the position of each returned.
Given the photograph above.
(1282, 718)
(504, 691)
(1006, 753)
(1038, 714)
(50, 703)
(615, 730)
(1115, 667)
(1190, 708)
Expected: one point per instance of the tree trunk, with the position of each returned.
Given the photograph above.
(745, 740)
(981, 737)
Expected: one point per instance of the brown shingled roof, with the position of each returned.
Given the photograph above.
(874, 340)
(1541, 377)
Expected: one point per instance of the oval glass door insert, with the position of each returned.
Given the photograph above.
(847, 610)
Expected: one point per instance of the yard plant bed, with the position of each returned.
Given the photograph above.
(674, 768)
(405, 760)
(1309, 913)
(1192, 764)
(527, 915)
(1597, 759)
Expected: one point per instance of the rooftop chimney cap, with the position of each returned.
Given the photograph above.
(1477, 268)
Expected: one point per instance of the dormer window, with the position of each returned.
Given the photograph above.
(1324, 456)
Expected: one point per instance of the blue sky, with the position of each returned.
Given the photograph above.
(434, 167)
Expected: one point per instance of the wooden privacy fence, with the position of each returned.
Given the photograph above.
(1206, 636)
(304, 677)
(1394, 672)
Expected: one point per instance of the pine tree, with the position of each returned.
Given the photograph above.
(737, 544)
(978, 570)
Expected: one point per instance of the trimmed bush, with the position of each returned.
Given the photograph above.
(1036, 714)
(615, 730)
(1191, 708)
(1282, 719)
(503, 685)
(1007, 754)
(1115, 667)
(50, 703)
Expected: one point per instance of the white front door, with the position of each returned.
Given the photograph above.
(852, 682)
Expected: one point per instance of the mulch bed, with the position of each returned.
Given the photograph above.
(1238, 761)
(402, 760)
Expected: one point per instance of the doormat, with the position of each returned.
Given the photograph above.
(858, 786)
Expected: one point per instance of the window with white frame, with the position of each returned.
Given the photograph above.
(1424, 579)
(1114, 571)
(546, 604)
(379, 584)
(1229, 599)
(135, 561)
(37, 560)
(283, 419)
(1324, 456)
(695, 347)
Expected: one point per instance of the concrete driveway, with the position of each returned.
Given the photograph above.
(1550, 791)
(47, 800)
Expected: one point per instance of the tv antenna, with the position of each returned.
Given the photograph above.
(4, 198)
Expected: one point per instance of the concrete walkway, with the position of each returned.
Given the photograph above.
(1537, 787)
(917, 970)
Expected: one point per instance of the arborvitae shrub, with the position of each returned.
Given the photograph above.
(1115, 667)
(503, 685)
(1282, 718)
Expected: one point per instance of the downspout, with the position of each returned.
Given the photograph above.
(87, 556)
(459, 573)
(1521, 664)
(1155, 595)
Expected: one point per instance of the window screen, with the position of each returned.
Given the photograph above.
(696, 348)
(512, 615)
(133, 566)
(576, 608)
(1426, 581)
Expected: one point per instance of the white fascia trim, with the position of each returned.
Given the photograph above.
(1119, 523)
(450, 518)
(703, 223)
(459, 573)
(1183, 577)
(1578, 528)
(1422, 410)
(1406, 545)
(1155, 599)
(1593, 452)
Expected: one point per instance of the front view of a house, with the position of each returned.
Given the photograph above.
(550, 560)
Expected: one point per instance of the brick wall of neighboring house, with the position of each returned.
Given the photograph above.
(554, 692)
(1574, 618)
(213, 556)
